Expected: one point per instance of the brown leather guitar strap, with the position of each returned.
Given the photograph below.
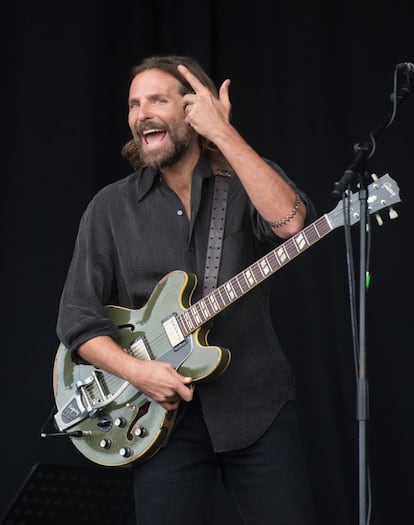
(222, 173)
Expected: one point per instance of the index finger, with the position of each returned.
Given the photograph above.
(186, 392)
(191, 79)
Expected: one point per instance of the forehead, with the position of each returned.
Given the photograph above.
(153, 81)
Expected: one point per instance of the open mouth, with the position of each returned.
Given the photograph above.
(154, 137)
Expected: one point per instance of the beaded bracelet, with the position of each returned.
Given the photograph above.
(282, 222)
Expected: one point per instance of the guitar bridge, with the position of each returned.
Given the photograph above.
(90, 395)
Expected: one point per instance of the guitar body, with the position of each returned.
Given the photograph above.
(109, 420)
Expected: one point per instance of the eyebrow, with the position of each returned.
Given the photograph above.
(153, 96)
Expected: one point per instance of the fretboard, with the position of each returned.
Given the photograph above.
(227, 293)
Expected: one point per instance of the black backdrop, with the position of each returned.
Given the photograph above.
(308, 81)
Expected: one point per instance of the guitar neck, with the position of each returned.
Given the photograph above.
(227, 293)
(382, 193)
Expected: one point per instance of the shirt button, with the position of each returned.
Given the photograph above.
(179, 212)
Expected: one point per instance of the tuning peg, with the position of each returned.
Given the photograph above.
(379, 219)
(374, 176)
(392, 213)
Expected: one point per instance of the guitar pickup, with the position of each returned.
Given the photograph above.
(173, 331)
(140, 349)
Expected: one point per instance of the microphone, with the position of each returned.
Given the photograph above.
(364, 151)
(408, 67)
(407, 70)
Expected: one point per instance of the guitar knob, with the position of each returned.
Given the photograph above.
(125, 452)
(140, 432)
(120, 422)
(105, 443)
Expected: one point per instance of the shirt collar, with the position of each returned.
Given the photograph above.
(147, 177)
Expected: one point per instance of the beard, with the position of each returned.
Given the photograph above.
(170, 152)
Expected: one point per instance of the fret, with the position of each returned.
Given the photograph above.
(313, 234)
(243, 282)
(190, 319)
(197, 315)
(204, 309)
(282, 255)
(322, 226)
(306, 236)
(237, 283)
(301, 241)
(291, 249)
(273, 260)
(182, 325)
(264, 267)
(295, 246)
(250, 278)
(228, 288)
(213, 302)
(257, 272)
(208, 306)
(222, 302)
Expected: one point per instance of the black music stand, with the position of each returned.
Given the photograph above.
(68, 494)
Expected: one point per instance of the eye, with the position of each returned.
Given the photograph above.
(133, 105)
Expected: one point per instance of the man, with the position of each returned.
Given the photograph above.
(137, 230)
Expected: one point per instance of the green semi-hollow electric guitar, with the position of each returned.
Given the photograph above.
(111, 422)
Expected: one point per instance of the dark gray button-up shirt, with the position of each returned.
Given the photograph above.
(134, 232)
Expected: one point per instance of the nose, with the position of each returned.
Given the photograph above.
(145, 111)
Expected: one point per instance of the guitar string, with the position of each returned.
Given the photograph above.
(290, 248)
(223, 297)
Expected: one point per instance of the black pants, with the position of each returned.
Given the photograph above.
(267, 480)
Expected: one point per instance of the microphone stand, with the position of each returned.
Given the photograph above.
(357, 172)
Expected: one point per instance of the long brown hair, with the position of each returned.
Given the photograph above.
(168, 64)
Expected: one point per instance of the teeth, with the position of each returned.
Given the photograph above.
(147, 132)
